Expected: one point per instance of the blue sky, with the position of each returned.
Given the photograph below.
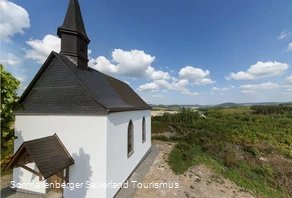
(170, 52)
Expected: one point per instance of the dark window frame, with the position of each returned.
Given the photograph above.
(130, 138)
(143, 129)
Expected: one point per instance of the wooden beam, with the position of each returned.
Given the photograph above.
(14, 158)
(67, 174)
(66, 177)
(62, 177)
(32, 171)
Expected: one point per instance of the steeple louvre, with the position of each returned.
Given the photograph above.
(74, 40)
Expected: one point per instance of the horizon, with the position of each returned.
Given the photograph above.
(170, 53)
(218, 103)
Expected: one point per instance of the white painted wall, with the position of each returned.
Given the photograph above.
(25, 180)
(85, 139)
(119, 166)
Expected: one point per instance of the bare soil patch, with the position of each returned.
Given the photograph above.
(160, 113)
(197, 182)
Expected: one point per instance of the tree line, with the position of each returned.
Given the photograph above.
(186, 116)
(258, 109)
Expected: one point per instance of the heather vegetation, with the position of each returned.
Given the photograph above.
(251, 146)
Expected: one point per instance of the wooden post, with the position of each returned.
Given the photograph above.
(66, 177)
(32, 171)
(67, 174)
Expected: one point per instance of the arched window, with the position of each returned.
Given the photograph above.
(130, 138)
(143, 130)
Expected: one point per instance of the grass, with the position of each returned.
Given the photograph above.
(249, 178)
(230, 141)
(159, 127)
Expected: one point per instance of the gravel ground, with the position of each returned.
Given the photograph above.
(8, 193)
(198, 182)
(138, 175)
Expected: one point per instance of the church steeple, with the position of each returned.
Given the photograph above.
(74, 40)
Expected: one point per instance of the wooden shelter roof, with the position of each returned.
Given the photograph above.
(48, 153)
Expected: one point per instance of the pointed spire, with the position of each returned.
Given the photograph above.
(73, 21)
(74, 40)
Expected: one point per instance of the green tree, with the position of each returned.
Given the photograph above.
(9, 103)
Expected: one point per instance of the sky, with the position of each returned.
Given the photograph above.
(169, 52)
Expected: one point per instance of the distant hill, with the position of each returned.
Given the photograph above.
(228, 104)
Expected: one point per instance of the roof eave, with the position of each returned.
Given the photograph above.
(97, 113)
(66, 30)
(116, 110)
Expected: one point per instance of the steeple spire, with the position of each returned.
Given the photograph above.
(74, 40)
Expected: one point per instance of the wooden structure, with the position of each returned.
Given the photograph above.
(49, 155)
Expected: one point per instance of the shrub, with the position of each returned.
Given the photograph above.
(252, 150)
(230, 160)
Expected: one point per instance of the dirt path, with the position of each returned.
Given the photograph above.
(198, 182)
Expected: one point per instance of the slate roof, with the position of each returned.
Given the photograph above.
(48, 153)
(61, 87)
(66, 85)
(73, 21)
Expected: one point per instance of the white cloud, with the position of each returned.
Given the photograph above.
(14, 19)
(127, 82)
(179, 85)
(288, 80)
(174, 79)
(162, 83)
(283, 34)
(260, 70)
(190, 93)
(11, 60)
(157, 96)
(288, 84)
(262, 86)
(40, 49)
(204, 81)
(102, 64)
(289, 48)
(174, 85)
(148, 87)
(288, 87)
(249, 92)
(157, 74)
(21, 78)
(132, 63)
(223, 89)
(211, 93)
(195, 75)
